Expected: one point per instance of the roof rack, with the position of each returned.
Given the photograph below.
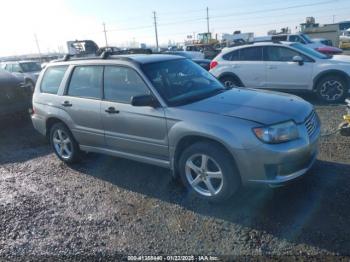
(105, 55)
(266, 41)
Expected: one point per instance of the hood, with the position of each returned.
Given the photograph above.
(341, 58)
(264, 107)
(324, 48)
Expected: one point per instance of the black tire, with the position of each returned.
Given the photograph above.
(231, 180)
(75, 155)
(332, 89)
(230, 81)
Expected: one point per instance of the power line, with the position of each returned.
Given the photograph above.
(221, 8)
(276, 9)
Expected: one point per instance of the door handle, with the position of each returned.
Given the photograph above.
(67, 104)
(236, 66)
(272, 67)
(111, 110)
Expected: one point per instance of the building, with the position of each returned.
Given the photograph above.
(327, 31)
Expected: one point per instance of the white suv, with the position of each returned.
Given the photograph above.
(284, 66)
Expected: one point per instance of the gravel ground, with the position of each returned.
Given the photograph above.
(105, 206)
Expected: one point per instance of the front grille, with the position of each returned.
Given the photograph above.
(312, 123)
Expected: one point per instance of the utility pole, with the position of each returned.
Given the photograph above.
(105, 31)
(155, 29)
(37, 45)
(333, 19)
(208, 20)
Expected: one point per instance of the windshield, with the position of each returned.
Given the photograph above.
(307, 39)
(30, 67)
(182, 81)
(309, 51)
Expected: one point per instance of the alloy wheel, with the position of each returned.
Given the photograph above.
(204, 175)
(62, 144)
(332, 90)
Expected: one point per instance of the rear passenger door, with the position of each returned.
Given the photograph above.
(133, 130)
(82, 103)
(247, 63)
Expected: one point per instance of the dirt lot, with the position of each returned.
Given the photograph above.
(107, 206)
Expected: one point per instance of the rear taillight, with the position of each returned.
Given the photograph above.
(31, 111)
(213, 64)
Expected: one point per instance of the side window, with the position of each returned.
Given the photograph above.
(250, 54)
(296, 38)
(16, 68)
(279, 54)
(232, 56)
(86, 82)
(282, 54)
(52, 79)
(8, 67)
(122, 83)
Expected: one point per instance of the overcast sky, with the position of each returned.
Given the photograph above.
(56, 21)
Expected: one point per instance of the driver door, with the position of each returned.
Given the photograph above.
(133, 130)
(283, 73)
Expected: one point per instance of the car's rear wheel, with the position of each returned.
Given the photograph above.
(230, 82)
(208, 171)
(64, 144)
(332, 89)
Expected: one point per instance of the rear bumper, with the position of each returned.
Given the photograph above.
(39, 124)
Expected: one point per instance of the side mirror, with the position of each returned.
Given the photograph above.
(144, 100)
(298, 59)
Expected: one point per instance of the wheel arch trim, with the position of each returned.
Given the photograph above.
(183, 143)
(230, 74)
(330, 72)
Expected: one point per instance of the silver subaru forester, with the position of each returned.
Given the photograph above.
(168, 111)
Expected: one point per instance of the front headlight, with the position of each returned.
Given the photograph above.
(277, 133)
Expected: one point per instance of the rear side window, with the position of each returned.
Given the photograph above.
(122, 83)
(52, 79)
(232, 56)
(250, 54)
(245, 54)
(86, 81)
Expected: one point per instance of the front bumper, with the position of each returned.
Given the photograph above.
(278, 164)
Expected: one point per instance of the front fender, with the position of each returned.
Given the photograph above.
(232, 133)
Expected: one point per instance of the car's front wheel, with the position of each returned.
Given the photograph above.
(64, 144)
(332, 89)
(208, 171)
